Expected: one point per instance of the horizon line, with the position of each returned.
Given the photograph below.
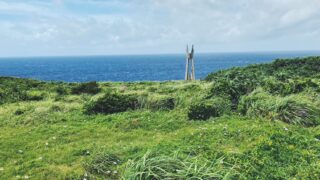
(157, 54)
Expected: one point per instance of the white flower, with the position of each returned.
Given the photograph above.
(26, 177)
(1, 168)
(286, 129)
(20, 151)
(54, 137)
(47, 144)
(114, 162)
(115, 172)
(108, 172)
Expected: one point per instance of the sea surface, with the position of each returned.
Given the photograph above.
(131, 67)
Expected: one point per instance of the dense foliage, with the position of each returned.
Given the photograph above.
(261, 122)
(205, 109)
(291, 109)
(162, 104)
(89, 88)
(284, 80)
(111, 103)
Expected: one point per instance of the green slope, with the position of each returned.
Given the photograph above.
(258, 122)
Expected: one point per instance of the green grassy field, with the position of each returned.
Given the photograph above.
(258, 122)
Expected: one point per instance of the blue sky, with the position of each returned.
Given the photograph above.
(97, 27)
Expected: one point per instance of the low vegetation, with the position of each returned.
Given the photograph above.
(84, 88)
(257, 122)
(111, 103)
(205, 109)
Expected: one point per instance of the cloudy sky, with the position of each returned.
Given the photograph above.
(97, 27)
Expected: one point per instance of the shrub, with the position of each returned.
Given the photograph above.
(291, 109)
(233, 85)
(164, 104)
(61, 91)
(208, 108)
(87, 88)
(287, 87)
(274, 77)
(111, 103)
(257, 104)
(103, 165)
(152, 166)
(10, 95)
(34, 96)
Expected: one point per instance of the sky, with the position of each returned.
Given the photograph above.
(105, 27)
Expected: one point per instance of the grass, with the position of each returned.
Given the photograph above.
(260, 134)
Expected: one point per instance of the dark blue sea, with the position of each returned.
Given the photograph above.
(131, 67)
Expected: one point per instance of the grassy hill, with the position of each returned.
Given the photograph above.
(257, 122)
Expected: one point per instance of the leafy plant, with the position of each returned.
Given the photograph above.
(205, 109)
(164, 104)
(88, 88)
(291, 109)
(111, 103)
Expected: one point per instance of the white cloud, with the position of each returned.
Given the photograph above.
(156, 26)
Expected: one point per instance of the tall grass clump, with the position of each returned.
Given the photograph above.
(111, 103)
(156, 167)
(207, 108)
(288, 86)
(160, 103)
(292, 109)
(233, 84)
(86, 88)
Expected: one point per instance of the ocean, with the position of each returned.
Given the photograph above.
(129, 68)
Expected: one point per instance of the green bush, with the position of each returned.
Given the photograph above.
(282, 77)
(61, 91)
(208, 108)
(86, 88)
(233, 85)
(34, 96)
(164, 104)
(111, 103)
(103, 165)
(291, 109)
(257, 104)
(288, 86)
(156, 167)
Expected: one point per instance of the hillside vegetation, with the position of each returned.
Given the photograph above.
(257, 122)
